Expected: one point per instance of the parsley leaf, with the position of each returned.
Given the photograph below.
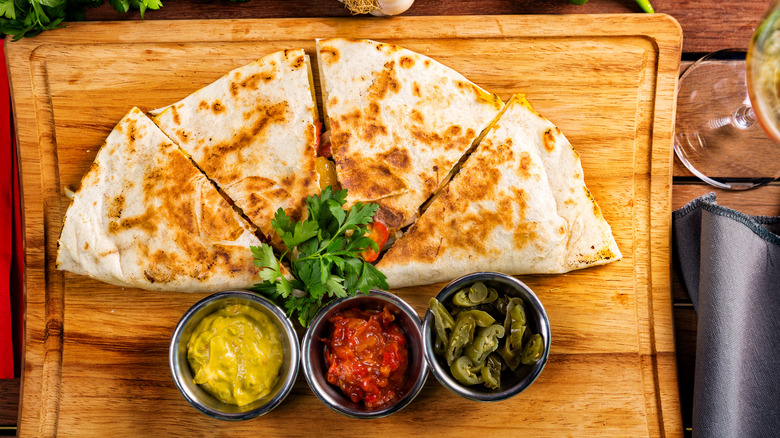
(324, 256)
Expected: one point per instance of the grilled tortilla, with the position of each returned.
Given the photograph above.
(399, 123)
(253, 133)
(144, 216)
(519, 205)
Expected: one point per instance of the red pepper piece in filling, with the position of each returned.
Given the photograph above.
(367, 356)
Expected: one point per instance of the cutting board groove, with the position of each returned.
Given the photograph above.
(96, 354)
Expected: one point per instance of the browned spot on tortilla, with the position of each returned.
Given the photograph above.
(183, 135)
(524, 233)
(329, 54)
(145, 222)
(298, 63)
(217, 107)
(203, 105)
(251, 82)
(333, 101)
(524, 169)
(417, 117)
(338, 141)
(233, 89)
(577, 175)
(372, 111)
(131, 131)
(569, 202)
(449, 140)
(427, 62)
(398, 158)
(372, 180)
(406, 62)
(371, 130)
(175, 115)
(549, 140)
(115, 207)
(86, 246)
(311, 134)
(385, 82)
(416, 89)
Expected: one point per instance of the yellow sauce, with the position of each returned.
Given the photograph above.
(235, 354)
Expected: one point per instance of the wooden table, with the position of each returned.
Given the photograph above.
(707, 26)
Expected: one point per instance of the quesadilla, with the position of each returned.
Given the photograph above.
(398, 123)
(519, 205)
(145, 216)
(254, 133)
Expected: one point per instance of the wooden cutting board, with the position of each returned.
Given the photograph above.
(96, 355)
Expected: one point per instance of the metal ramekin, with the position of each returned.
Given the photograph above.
(315, 368)
(511, 383)
(204, 401)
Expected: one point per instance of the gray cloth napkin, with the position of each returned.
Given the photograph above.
(730, 264)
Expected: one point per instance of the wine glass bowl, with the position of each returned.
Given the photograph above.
(716, 131)
(763, 72)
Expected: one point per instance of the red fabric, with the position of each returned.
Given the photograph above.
(7, 165)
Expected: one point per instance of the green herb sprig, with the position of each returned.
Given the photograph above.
(324, 253)
(26, 18)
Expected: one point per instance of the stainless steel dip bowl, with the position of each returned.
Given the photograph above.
(315, 367)
(512, 383)
(205, 402)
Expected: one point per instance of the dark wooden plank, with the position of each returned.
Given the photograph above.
(707, 26)
(685, 332)
(763, 201)
(9, 401)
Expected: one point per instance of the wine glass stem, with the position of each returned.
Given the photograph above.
(744, 117)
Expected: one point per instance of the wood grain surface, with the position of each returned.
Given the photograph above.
(96, 355)
(707, 25)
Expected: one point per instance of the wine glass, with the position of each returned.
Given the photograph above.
(728, 112)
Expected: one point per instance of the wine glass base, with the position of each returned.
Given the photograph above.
(716, 136)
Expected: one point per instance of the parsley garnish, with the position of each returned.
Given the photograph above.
(324, 255)
(26, 18)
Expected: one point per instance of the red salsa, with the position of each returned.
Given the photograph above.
(367, 356)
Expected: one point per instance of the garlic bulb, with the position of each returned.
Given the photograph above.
(377, 7)
(391, 7)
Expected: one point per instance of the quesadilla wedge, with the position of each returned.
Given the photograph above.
(254, 133)
(519, 205)
(398, 123)
(145, 216)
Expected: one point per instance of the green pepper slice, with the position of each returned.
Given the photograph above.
(533, 350)
(482, 318)
(462, 335)
(485, 342)
(442, 319)
(465, 372)
(478, 293)
(491, 371)
(511, 357)
(517, 325)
